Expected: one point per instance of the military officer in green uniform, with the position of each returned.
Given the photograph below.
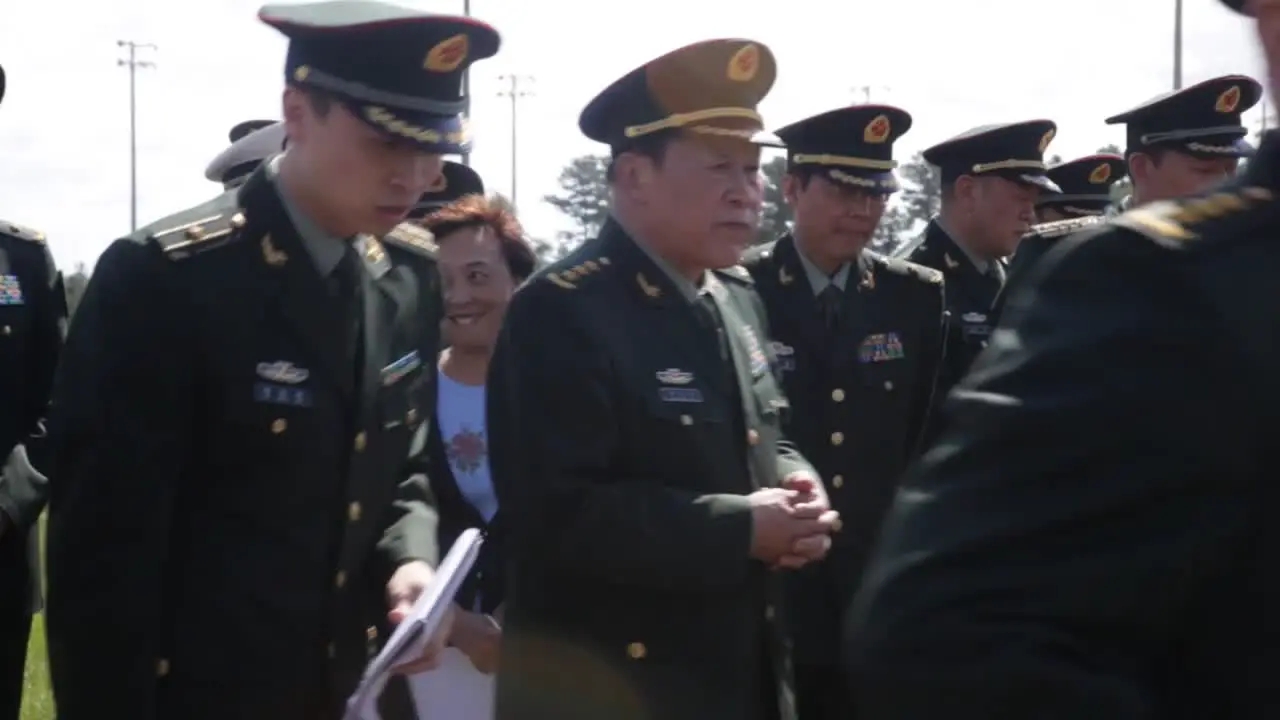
(238, 506)
(635, 427)
(858, 339)
(1086, 194)
(252, 143)
(33, 315)
(1094, 537)
(456, 181)
(992, 177)
(1188, 140)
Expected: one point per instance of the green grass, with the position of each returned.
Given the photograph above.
(37, 696)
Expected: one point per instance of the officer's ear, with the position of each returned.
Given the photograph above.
(965, 191)
(1141, 166)
(792, 184)
(633, 174)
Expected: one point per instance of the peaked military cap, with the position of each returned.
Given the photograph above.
(1201, 120)
(850, 145)
(1014, 151)
(1085, 184)
(456, 181)
(241, 129)
(399, 70)
(1237, 5)
(710, 88)
(246, 153)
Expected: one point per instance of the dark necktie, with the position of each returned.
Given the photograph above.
(704, 307)
(350, 298)
(829, 302)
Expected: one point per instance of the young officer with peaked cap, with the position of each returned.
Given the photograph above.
(456, 181)
(1095, 536)
(238, 507)
(1188, 140)
(1086, 194)
(33, 315)
(635, 435)
(859, 340)
(991, 178)
(252, 142)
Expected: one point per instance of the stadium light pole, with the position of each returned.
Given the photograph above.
(133, 63)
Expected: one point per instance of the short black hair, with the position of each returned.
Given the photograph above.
(653, 146)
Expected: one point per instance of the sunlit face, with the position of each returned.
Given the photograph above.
(477, 287)
(703, 198)
(998, 212)
(835, 220)
(1177, 174)
(367, 181)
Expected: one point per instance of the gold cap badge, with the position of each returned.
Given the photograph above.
(1229, 100)
(1048, 138)
(877, 131)
(448, 54)
(1100, 174)
(744, 64)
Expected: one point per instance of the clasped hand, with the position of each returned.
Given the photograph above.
(792, 524)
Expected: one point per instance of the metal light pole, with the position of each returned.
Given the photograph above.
(133, 63)
(515, 93)
(466, 88)
(866, 91)
(1177, 44)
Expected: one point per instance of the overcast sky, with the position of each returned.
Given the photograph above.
(64, 125)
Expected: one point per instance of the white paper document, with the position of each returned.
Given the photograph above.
(410, 636)
(454, 690)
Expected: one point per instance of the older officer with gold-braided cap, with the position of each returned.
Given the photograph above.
(635, 426)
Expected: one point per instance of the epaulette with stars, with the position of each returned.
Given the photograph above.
(906, 268)
(18, 232)
(1175, 222)
(196, 230)
(413, 238)
(569, 277)
(1059, 228)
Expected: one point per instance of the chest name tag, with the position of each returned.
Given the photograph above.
(276, 394)
(680, 395)
(10, 290)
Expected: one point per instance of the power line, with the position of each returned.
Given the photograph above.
(133, 63)
(515, 92)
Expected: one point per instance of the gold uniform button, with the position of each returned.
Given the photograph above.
(837, 526)
(753, 437)
(162, 667)
(637, 651)
(8, 330)
(769, 612)
(686, 420)
(332, 651)
(888, 384)
(353, 512)
(371, 632)
(412, 416)
(837, 438)
(362, 439)
(279, 425)
(340, 579)
(837, 482)
(837, 395)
